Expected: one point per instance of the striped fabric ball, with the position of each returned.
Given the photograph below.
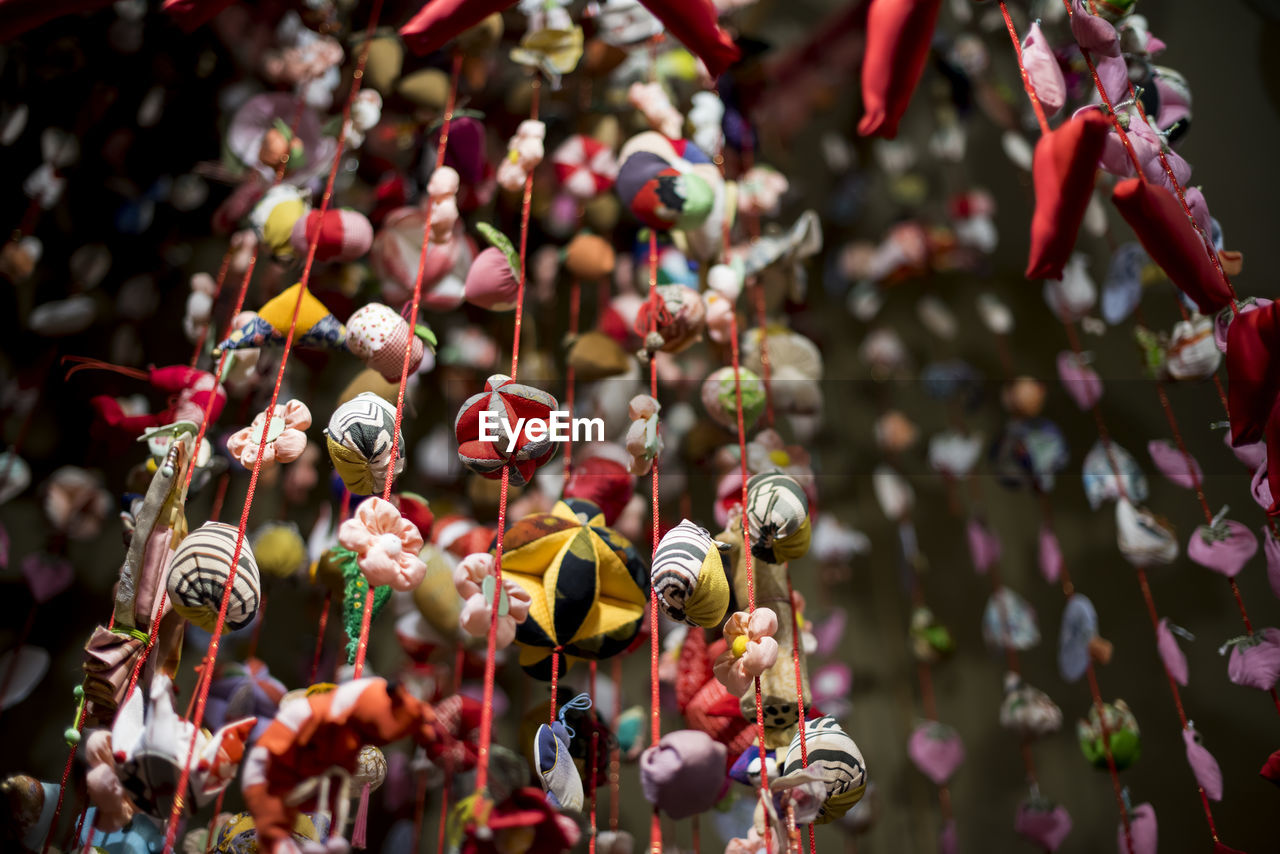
(198, 575)
(359, 437)
(834, 755)
(777, 516)
(688, 576)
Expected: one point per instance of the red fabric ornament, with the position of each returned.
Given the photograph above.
(1271, 768)
(1172, 242)
(898, 36)
(1253, 371)
(414, 508)
(693, 22)
(511, 401)
(344, 235)
(604, 482)
(1064, 167)
(190, 390)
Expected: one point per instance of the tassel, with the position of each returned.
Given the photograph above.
(85, 363)
(362, 819)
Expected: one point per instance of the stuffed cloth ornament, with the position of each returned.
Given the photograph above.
(595, 356)
(378, 335)
(689, 576)
(198, 574)
(1125, 742)
(1109, 472)
(1181, 469)
(316, 327)
(1224, 546)
(474, 580)
(835, 758)
(1175, 661)
(339, 235)
(1043, 70)
(684, 773)
(286, 437)
(706, 704)
(1271, 768)
(241, 690)
(397, 249)
(1066, 161)
(493, 282)
(359, 437)
(319, 737)
(1028, 711)
(1255, 660)
(898, 36)
(662, 194)
(386, 545)
(510, 402)
(586, 584)
(602, 481)
(189, 391)
(1079, 629)
(1203, 765)
(936, 750)
(589, 257)
(1158, 219)
(556, 771)
(274, 217)
(149, 743)
(777, 517)
(643, 442)
(1042, 823)
(680, 317)
(1143, 538)
(1253, 340)
(1142, 831)
(752, 649)
(584, 166)
(720, 397)
(693, 22)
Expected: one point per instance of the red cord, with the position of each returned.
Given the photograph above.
(795, 658)
(213, 301)
(214, 641)
(490, 663)
(570, 375)
(1022, 69)
(655, 698)
(593, 775)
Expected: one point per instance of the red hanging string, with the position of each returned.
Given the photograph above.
(655, 698)
(213, 301)
(555, 681)
(615, 749)
(213, 821)
(593, 775)
(570, 375)
(490, 663)
(1022, 69)
(215, 640)
(795, 659)
(320, 631)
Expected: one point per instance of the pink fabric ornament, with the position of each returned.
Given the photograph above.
(1252, 455)
(1173, 464)
(948, 838)
(1170, 653)
(1260, 488)
(477, 609)
(395, 255)
(1271, 550)
(984, 546)
(285, 437)
(1255, 660)
(46, 575)
(378, 335)
(643, 442)
(1142, 830)
(386, 545)
(1044, 825)
(524, 152)
(1202, 763)
(1225, 547)
(1050, 555)
(1045, 73)
(936, 750)
(340, 235)
(1079, 380)
(491, 283)
(752, 649)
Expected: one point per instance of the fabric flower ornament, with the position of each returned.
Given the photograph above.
(1224, 546)
(752, 649)
(654, 104)
(1255, 659)
(1121, 725)
(524, 152)
(386, 545)
(1043, 70)
(473, 578)
(286, 439)
(643, 442)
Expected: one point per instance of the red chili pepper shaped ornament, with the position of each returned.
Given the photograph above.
(898, 36)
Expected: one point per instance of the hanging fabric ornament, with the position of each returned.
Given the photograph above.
(584, 166)
(556, 771)
(502, 410)
(386, 545)
(359, 436)
(1079, 379)
(1181, 469)
(397, 249)
(1066, 160)
(1043, 70)
(1255, 659)
(1142, 831)
(1122, 729)
(1028, 711)
(1175, 661)
(370, 774)
(1172, 242)
(720, 392)
(586, 584)
(316, 326)
(198, 574)
(643, 441)
(1008, 622)
(286, 436)
(1203, 765)
(835, 759)
(689, 576)
(604, 482)
(751, 649)
(777, 517)
(660, 183)
(898, 36)
(681, 316)
(1103, 482)
(189, 392)
(1043, 823)
(936, 750)
(1192, 355)
(474, 580)
(1144, 539)
(339, 235)
(378, 335)
(275, 216)
(684, 773)
(1078, 639)
(493, 282)
(1224, 546)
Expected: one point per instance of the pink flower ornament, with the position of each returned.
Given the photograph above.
(285, 437)
(386, 545)
(474, 578)
(752, 649)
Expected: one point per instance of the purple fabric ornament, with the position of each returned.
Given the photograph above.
(1252, 455)
(1079, 380)
(1173, 464)
(1170, 653)
(936, 750)
(984, 547)
(1043, 70)
(684, 773)
(1255, 660)
(1260, 488)
(1043, 824)
(830, 631)
(1225, 547)
(1202, 763)
(1271, 550)
(1050, 555)
(47, 575)
(1142, 830)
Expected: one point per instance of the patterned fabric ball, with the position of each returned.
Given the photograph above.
(507, 402)
(777, 517)
(378, 335)
(835, 756)
(689, 578)
(359, 439)
(198, 574)
(371, 768)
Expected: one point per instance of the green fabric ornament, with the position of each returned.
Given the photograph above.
(355, 590)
